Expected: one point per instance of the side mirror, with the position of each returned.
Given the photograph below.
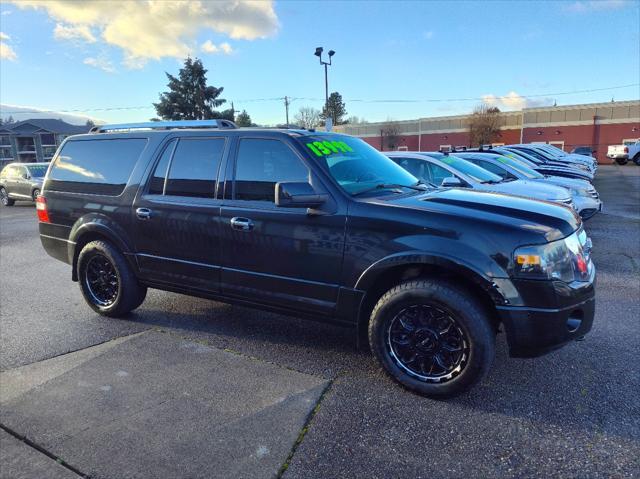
(451, 182)
(293, 194)
(26, 176)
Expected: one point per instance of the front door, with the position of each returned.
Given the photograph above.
(176, 215)
(280, 256)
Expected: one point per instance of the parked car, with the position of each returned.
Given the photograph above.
(321, 226)
(622, 153)
(546, 154)
(585, 197)
(21, 181)
(546, 166)
(583, 150)
(454, 171)
(564, 156)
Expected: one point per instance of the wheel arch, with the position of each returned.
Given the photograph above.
(382, 276)
(90, 231)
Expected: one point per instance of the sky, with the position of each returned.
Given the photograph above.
(107, 59)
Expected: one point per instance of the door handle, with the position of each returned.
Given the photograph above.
(143, 213)
(241, 224)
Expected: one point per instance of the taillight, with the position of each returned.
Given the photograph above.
(41, 208)
(626, 149)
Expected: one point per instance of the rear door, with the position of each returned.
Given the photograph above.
(285, 257)
(177, 215)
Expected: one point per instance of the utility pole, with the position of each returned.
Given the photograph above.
(286, 107)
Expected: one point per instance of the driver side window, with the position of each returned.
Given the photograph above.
(438, 173)
(260, 164)
(502, 173)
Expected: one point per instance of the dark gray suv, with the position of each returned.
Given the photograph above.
(21, 181)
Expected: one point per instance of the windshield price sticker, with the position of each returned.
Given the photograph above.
(502, 159)
(325, 148)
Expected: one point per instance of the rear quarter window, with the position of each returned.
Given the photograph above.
(100, 166)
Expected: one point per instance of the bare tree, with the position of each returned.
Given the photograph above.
(355, 120)
(390, 136)
(484, 125)
(307, 117)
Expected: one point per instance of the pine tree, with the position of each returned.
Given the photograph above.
(334, 109)
(243, 119)
(189, 97)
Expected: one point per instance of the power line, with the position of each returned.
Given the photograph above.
(290, 99)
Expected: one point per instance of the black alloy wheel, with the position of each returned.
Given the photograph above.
(427, 342)
(35, 194)
(101, 280)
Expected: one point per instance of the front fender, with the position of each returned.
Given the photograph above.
(446, 263)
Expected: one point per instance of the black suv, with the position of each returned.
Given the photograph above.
(322, 226)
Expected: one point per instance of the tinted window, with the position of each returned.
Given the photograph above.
(194, 167)
(95, 166)
(438, 173)
(490, 167)
(156, 184)
(263, 163)
(38, 171)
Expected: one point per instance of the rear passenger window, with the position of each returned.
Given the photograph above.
(194, 167)
(263, 163)
(156, 186)
(95, 166)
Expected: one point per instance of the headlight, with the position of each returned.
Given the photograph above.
(566, 260)
(580, 192)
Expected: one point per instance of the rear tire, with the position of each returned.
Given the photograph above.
(432, 338)
(621, 161)
(35, 194)
(4, 198)
(106, 280)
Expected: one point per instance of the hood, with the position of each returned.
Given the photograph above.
(528, 189)
(571, 183)
(551, 169)
(545, 220)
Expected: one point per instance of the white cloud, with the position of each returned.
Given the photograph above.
(101, 63)
(154, 29)
(583, 6)
(73, 32)
(7, 53)
(514, 101)
(22, 112)
(210, 47)
(428, 35)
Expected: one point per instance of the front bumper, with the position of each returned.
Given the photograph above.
(587, 206)
(566, 314)
(618, 156)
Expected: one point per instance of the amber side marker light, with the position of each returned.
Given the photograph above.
(529, 259)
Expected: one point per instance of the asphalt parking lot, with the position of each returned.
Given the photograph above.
(572, 413)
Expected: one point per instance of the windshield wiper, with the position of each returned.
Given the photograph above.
(382, 186)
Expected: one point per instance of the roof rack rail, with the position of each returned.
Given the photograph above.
(166, 125)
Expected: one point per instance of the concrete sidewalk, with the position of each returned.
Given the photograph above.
(155, 405)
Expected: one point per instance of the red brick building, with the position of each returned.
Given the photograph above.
(597, 125)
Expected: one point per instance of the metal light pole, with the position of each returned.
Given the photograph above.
(318, 53)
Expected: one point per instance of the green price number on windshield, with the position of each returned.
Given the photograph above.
(324, 148)
(502, 159)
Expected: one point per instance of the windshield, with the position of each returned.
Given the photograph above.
(521, 156)
(474, 171)
(355, 165)
(520, 166)
(38, 171)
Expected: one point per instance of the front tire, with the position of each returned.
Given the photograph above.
(106, 280)
(4, 198)
(432, 338)
(35, 194)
